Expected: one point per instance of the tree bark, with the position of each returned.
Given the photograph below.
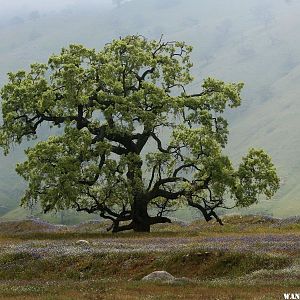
(140, 218)
(208, 215)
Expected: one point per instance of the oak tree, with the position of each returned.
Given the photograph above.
(134, 143)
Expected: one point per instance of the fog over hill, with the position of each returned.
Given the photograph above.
(255, 41)
(18, 6)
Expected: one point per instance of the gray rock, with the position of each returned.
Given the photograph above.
(83, 243)
(161, 276)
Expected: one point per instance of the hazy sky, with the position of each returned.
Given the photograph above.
(10, 6)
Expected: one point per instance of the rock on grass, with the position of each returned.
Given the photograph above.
(161, 276)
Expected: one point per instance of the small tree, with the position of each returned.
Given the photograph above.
(133, 140)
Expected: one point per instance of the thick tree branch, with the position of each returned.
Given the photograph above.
(155, 193)
(159, 219)
(159, 144)
(207, 213)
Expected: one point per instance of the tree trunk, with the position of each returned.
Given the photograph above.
(141, 221)
(141, 226)
(140, 218)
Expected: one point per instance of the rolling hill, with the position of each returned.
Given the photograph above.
(256, 42)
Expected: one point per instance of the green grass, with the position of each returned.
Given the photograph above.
(212, 274)
(233, 222)
(134, 266)
(117, 276)
(234, 225)
(109, 289)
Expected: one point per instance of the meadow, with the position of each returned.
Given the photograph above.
(250, 257)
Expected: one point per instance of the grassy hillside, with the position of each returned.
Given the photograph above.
(254, 42)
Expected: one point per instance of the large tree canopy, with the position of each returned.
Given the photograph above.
(133, 142)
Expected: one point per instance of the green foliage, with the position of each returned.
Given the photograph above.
(111, 104)
(257, 175)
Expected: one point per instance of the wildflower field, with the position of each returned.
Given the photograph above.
(249, 257)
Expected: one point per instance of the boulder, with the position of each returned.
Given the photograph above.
(161, 276)
(83, 243)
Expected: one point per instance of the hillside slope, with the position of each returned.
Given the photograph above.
(254, 42)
